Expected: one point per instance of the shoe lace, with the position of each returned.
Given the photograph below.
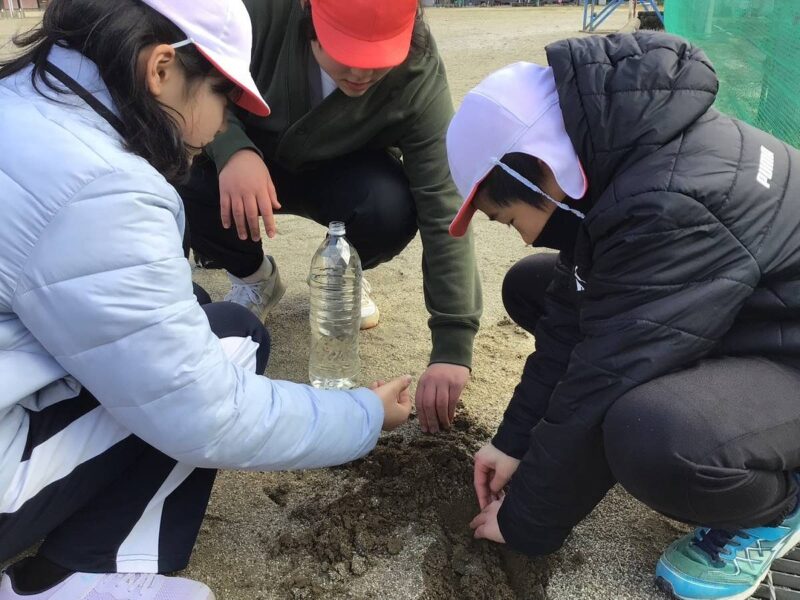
(243, 293)
(716, 541)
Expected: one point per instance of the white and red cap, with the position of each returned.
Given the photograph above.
(515, 109)
(222, 32)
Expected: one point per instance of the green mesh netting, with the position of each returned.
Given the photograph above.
(755, 48)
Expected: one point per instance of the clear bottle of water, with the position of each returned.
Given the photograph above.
(335, 282)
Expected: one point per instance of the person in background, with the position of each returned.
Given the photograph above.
(354, 84)
(667, 330)
(121, 394)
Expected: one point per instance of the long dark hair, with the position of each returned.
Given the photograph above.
(502, 189)
(112, 35)
(420, 38)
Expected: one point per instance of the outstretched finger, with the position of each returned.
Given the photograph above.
(273, 195)
(265, 208)
(398, 385)
(429, 403)
(479, 520)
(442, 405)
(251, 212)
(455, 393)
(225, 210)
(237, 208)
(426, 419)
(480, 480)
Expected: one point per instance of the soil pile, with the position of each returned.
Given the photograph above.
(409, 488)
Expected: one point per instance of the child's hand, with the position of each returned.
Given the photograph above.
(246, 190)
(485, 524)
(493, 470)
(396, 401)
(438, 392)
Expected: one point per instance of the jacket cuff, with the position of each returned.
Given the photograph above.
(374, 407)
(228, 144)
(524, 537)
(452, 345)
(511, 440)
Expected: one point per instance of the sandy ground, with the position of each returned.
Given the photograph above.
(394, 526)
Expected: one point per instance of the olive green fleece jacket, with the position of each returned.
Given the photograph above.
(410, 110)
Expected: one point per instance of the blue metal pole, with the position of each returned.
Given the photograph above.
(585, 15)
(609, 8)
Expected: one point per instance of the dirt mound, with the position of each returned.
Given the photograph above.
(407, 487)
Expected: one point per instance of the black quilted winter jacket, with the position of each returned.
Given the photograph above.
(690, 249)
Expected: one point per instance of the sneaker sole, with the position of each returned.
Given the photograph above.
(371, 321)
(278, 292)
(667, 586)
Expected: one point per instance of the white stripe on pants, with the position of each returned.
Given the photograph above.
(90, 436)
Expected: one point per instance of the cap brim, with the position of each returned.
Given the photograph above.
(250, 98)
(364, 54)
(460, 224)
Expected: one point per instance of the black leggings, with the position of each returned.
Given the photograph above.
(712, 445)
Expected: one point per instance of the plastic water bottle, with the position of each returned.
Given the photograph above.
(335, 282)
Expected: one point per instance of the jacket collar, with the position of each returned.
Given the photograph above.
(84, 72)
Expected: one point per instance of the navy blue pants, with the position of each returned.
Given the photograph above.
(126, 508)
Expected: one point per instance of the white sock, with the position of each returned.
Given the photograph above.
(262, 274)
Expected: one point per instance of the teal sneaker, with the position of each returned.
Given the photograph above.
(724, 565)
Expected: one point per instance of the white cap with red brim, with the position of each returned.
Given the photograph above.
(222, 32)
(515, 109)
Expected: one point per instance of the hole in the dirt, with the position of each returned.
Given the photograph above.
(410, 489)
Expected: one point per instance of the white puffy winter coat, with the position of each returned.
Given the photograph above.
(95, 291)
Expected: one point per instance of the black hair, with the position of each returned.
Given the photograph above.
(420, 37)
(112, 35)
(500, 188)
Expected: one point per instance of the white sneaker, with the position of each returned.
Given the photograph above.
(122, 586)
(370, 315)
(261, 296)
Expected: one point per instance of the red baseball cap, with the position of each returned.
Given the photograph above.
(365, 34)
